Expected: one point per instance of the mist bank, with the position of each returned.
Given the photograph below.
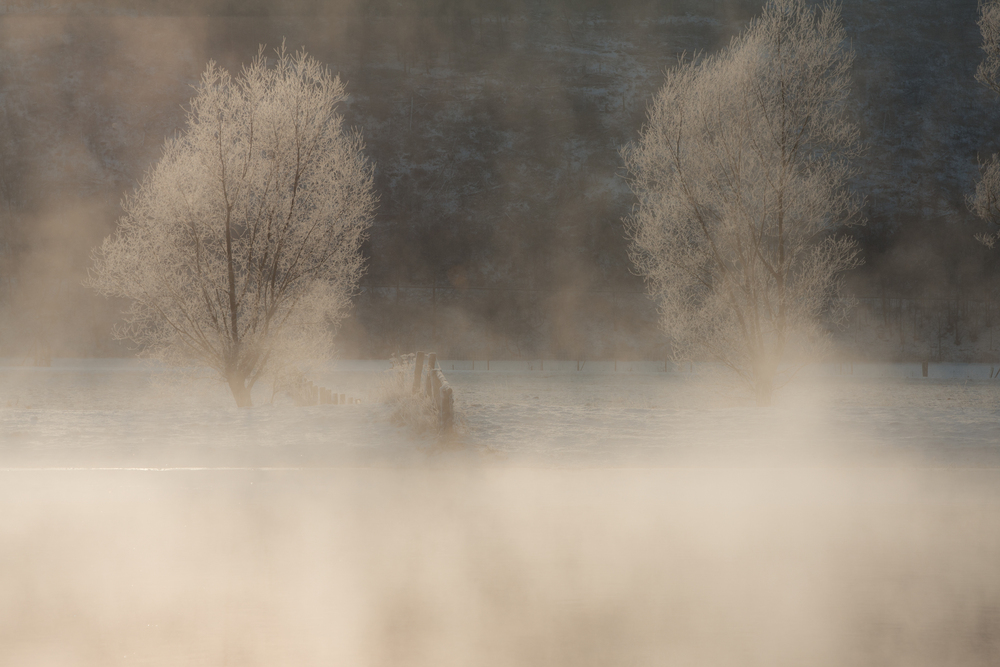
(495, 130)
(522, 567)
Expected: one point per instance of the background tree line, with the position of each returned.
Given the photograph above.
(495, 128)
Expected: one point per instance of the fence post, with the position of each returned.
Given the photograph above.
(418, 369)
(309, 393)
(923, 369)
(447, 408)
(431, 364)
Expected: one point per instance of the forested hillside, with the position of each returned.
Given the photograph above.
(495, 127)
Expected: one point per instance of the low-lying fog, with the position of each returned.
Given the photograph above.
(579, 519)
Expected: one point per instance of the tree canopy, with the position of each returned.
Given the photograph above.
(740, 174)
(241, 247)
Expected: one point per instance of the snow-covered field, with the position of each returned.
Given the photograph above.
(582, 518)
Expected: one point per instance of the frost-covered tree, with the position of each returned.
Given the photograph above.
(741, 177)
(986, 200)
(240, 249)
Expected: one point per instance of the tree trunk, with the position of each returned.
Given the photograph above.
(241, 392)
(763, 391)
(763, 386)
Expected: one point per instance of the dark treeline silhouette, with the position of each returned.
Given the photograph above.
(495, 127)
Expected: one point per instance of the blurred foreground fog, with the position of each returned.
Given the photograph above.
(578, 518)
(490, 566)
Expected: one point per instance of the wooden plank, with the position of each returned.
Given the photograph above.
(447, 407)
(418, 369)
(431, 363)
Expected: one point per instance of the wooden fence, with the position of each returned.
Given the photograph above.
(436, 388)
(305, 392)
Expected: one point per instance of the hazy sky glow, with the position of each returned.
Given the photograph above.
(598, 502)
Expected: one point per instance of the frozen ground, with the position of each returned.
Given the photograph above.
(590, 518)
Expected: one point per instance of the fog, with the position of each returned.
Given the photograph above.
(587, 517)
(596, 504)
(493, 566)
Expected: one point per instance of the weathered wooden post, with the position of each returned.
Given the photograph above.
(923, 369)
(418, 369)
(431, 364)
(311, 393)
(343, 399)
(447, 408)
(324, 396)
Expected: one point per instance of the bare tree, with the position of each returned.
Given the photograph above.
(241, 248)
(740, 174)
(986, 201)
(988, 73)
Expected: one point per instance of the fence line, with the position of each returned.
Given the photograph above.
(437, 389)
